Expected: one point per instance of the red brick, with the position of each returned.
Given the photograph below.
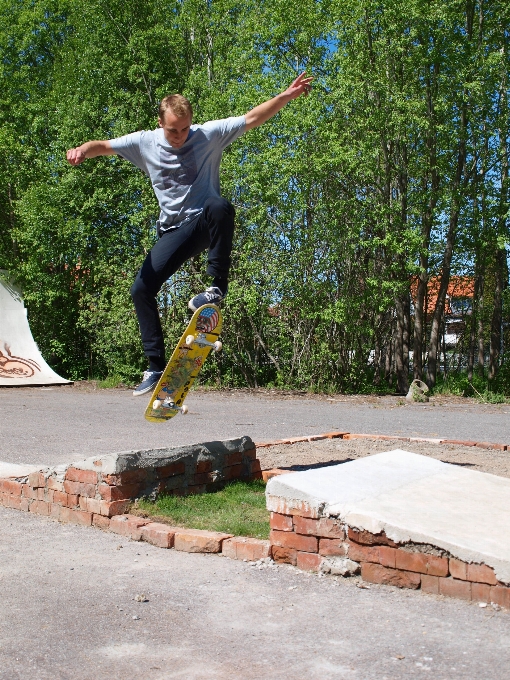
(422, 563)
(84, 476)
(376, 573)
(101, 522)
(255, 466)
(300, 508)
(430, 584)
(286, 555)
(251, 454)
(177, 468)
(55, 510)
(233, 472)
(36, 479)
(197, 540)
(281, 522)
(332, 546)
(118, 493)
(203, 478)
(458, 569)
(335, 435)
(127, 477)
(461, 442)
(75, 516)
(160, 535)
(501, 595)
(308, 561)
(170, 483)
(128, 525)
(363, 553)
(274, 472)
(60, 497)
(255, 475)
(40, 507)
(242, 548)
(233, 458)
(72, 501)
(49, 495)
(288, 539)
(480, 592)
(80, 489)
(452, 587)
(90, 504)
(196, 489)
(324, 527)
(11, 486)
(17, 502)
(54, 484)
(367, 538)
(204, 466)
(481, 573)
(41, 493)
(113, 508)
(28, 492)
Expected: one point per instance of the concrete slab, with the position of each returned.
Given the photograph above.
(13, 471)
(411, 498)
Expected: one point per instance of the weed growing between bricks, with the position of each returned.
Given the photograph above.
(239, 509)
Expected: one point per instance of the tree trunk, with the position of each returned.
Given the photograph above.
(497, 313)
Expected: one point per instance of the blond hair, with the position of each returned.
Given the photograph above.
(177, 104)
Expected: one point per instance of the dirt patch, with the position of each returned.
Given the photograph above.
(307, 455)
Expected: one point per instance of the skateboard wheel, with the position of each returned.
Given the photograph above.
(184, 410)
(217, 346)
(190, 339)
(156, 404)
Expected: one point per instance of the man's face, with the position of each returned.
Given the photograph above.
(175, 128)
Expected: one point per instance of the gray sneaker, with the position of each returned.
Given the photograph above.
(149, 382)
(212, 296)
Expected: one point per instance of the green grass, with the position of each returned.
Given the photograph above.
(239, 509)
(457, 384)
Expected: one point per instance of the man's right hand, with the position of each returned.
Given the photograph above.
(76, 156)
(90, 149)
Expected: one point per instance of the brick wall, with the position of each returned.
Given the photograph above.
(96, 489)
(323, 544)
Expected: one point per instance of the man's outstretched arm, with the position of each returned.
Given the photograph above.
(90, 150)
(267, 110)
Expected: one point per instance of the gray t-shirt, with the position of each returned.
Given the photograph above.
(182, 179)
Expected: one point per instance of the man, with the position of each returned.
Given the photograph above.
(182, 161)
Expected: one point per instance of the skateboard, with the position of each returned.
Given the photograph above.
(199, 338)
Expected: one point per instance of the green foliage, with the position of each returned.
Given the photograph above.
(239, 509)
(341, 199)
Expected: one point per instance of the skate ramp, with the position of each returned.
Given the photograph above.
(21, 363)
(412, 500)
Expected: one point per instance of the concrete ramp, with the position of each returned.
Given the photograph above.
(409, 500)
(21, 363)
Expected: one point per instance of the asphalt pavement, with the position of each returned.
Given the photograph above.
(69, 611)
(65, 423)
(68, 594)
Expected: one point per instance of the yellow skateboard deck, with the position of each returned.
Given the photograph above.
(199, 338)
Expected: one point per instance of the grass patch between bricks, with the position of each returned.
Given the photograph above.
(239, 509)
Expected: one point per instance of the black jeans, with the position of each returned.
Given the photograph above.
(213, 229)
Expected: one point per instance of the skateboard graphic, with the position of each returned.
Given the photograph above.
(199, 338)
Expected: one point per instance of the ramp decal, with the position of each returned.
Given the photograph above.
(16, 367)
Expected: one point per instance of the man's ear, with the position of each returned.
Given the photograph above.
(160, 122)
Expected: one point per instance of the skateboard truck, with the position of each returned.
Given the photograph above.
(160, 403)
(202, 341)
